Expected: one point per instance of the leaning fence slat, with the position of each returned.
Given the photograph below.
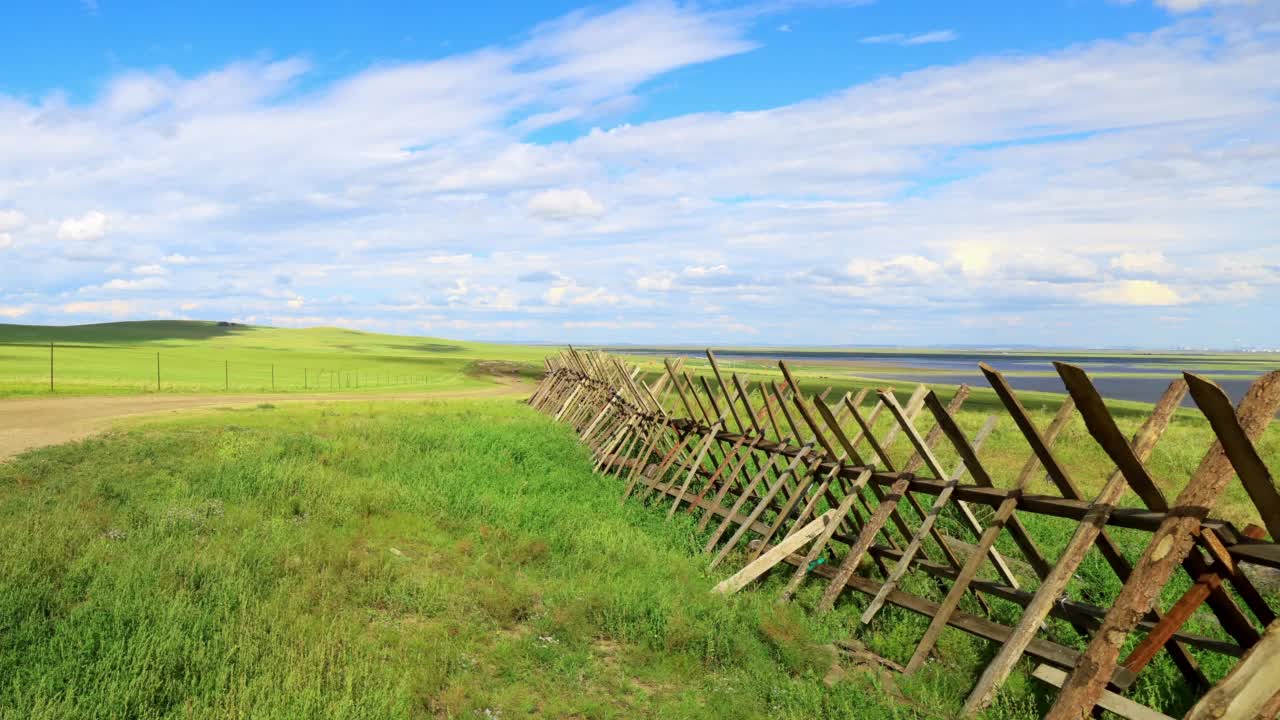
(1003, 515)
(1251, 690)
(904, 563)
(759, 509)
(1172, 541)
(776, 554)
(815, 551)
(1084, 537)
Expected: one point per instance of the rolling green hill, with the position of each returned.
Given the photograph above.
(198, 356)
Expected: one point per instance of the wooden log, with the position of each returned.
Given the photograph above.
(1084, 537)
(1172, 542)
(1182, 609)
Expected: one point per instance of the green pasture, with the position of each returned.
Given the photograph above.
(121, 358)
(423, 560)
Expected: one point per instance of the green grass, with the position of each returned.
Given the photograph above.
(371, 561)
(424, 559)
(121, 358)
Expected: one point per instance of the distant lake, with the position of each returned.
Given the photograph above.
(1150, 375)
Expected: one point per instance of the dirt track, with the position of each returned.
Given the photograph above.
(35, 422)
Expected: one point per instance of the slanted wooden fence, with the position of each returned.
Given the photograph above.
(811, 484)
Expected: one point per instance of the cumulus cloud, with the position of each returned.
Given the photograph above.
(565, 204)
(1048, 186)
(1135, 292)
(91, 226)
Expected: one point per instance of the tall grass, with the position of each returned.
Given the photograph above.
(430, 559)
(374, 561)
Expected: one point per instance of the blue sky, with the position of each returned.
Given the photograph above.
(1056, 173)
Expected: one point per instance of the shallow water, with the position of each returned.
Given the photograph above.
(1150, 375)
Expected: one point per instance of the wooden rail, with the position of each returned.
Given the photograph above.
(812, 483)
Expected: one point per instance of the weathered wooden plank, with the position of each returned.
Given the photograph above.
(970, 570)
(1182, 609)
(1172, 542)
(776, 554)
(908, 554)
(1118, 704)
(1086, 534)
(1251, 691)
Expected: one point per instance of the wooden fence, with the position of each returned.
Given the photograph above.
(810, 484)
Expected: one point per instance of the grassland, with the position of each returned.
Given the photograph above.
(375, 561)
(202, 357)
(452, 559)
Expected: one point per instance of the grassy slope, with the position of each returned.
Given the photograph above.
(200, 356)
(415, 560)
(268, 563)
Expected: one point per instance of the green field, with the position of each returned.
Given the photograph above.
(423, 559)
(203, 357)
(418, 559)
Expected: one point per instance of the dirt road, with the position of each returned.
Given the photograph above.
(35, 422)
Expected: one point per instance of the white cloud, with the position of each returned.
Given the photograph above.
(1135, 292)
(11, 312)
(91, 226)
(109, 308)
(1036, 185)
(1184, 6)
(5, 240)
(926, 38)
(11, 220)
(146, 283)
(565, 204)
(150, 270)
(1151, 262)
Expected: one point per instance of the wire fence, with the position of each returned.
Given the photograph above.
(53, 367)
